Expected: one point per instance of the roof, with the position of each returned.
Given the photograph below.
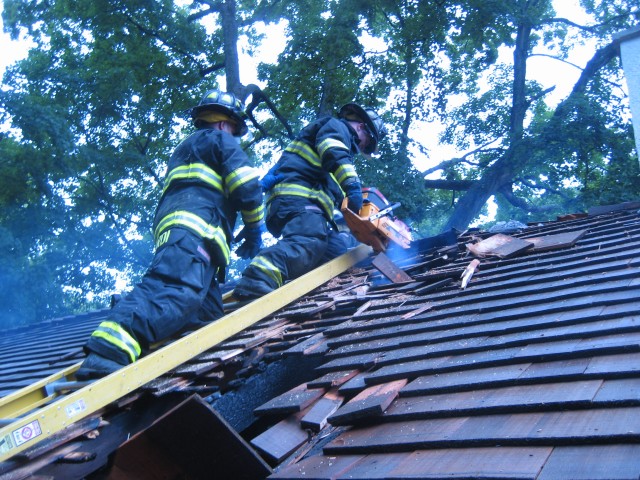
(530, 370)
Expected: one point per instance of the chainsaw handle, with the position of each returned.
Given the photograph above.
(384, 211)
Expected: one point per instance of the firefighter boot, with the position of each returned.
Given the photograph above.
(96, 366)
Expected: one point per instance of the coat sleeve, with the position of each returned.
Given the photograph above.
(336, 147)
(241, 183)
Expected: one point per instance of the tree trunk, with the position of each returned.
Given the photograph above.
(501, 173)
(230, 40)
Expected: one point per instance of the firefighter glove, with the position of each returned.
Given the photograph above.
(354, 196)
(252, 241)
(269, 180)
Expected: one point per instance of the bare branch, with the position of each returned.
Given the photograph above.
(546, 187)
(540, 95)
(257, 97)
(566, 21)
(213, 68)
(553, 57)
(455, 185)
(591, 28)
(211, 7)
(518, 202)
(463, 159)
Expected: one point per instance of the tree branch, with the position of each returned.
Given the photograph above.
(602, 56)
(540, 95)
(455, 161)
(257, 97)
(530, 184)
(518, 202)
(590, 28)
(213, 68)
(455, 185)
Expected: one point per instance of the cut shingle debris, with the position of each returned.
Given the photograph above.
(390, 269)
(558, 240)
(505, 246)
(316, 417)
(295, 400)
(465, 278)
(371, 402)
(281, 440)
(499, 245)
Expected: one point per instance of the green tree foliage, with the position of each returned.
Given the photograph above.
(534, 160)
(92, 114)
(93, 111)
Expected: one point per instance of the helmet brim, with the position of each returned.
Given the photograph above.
(240, 122)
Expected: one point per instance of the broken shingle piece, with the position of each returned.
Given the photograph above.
(294, 400)
(369, 403)
(499, 245)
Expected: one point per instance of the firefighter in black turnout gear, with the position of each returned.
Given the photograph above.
(209, 180)
(309, 180)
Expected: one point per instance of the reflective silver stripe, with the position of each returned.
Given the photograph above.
(119, 337)
(196, 224)
(298, 190)
(255, 216)
(261, 263)
(239, 177)
(328, 143)
(194, 171)
(305, 151)
(344, 172)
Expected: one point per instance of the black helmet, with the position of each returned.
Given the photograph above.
(376, 129)
(225, 103)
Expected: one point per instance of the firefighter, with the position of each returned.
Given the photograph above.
(209, 180)
(309, 180)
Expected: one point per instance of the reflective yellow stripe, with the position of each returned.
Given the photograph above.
(255, 216)
(239, 177)
(192, 171)
(298, 190)
(305, 151)
(333, 179)
(269, 268)
(118, 336)
(196, 224)
(328, 143)
(344, 172)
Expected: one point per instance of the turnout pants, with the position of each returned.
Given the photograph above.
(178, 292)
(307, 241)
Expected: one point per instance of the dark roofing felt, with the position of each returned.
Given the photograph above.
(531, 371)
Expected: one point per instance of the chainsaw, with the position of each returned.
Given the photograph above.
(375, 225)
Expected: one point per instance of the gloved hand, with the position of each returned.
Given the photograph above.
(252, 241)
(354, 196)
(269, 180)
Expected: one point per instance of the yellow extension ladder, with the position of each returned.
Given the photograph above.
(38, 411)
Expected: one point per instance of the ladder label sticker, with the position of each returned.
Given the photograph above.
(5, 444)
(75, 408)
(26, 433)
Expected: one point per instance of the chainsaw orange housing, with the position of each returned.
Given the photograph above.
(373, 229)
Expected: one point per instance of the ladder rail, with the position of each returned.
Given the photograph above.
(53, 412)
